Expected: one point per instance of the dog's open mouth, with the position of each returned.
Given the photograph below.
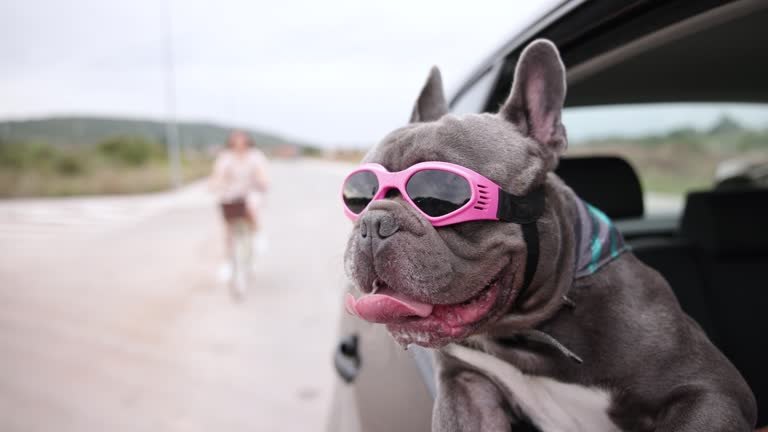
(412, 321)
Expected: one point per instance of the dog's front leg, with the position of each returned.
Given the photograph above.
(468, 402)
(699, 410)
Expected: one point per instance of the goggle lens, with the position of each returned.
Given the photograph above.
(359, 190)
(438, 193)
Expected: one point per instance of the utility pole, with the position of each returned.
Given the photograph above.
(171, 126)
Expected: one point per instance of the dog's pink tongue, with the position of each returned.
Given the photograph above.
(386, 306)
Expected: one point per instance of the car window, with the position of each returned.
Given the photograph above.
(675, 147)
(474, 98)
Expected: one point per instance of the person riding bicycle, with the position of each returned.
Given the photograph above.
(239, 180)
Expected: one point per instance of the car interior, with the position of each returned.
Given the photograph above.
(715, 251)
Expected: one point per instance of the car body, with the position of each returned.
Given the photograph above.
(688, 56)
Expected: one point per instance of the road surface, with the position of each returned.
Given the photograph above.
(112, 318)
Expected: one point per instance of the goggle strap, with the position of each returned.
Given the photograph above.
(524, 209)
(531, 238)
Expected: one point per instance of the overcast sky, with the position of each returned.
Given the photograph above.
(332, 71)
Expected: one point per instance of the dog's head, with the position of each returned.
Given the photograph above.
(434, 285)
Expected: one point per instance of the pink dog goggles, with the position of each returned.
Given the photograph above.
(444, 193)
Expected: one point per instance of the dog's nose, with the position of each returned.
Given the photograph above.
(377, 223)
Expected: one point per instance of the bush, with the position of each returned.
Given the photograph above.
(70, 165)
(130, 150)
(19, 155)
(311, 151)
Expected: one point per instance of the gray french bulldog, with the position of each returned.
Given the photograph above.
(594, 341)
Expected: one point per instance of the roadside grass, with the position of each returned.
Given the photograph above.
(101, 180)
(118, 165)
(670, 184)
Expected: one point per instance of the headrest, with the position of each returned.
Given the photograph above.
(607, 182)
(727, 222)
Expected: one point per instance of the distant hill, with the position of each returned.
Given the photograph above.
(73, 131)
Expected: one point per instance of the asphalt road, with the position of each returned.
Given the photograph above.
(112, 318)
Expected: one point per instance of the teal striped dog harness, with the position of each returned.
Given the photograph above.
(598, 240)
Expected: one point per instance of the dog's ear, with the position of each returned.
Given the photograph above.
(536, 101)
(431, 104)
